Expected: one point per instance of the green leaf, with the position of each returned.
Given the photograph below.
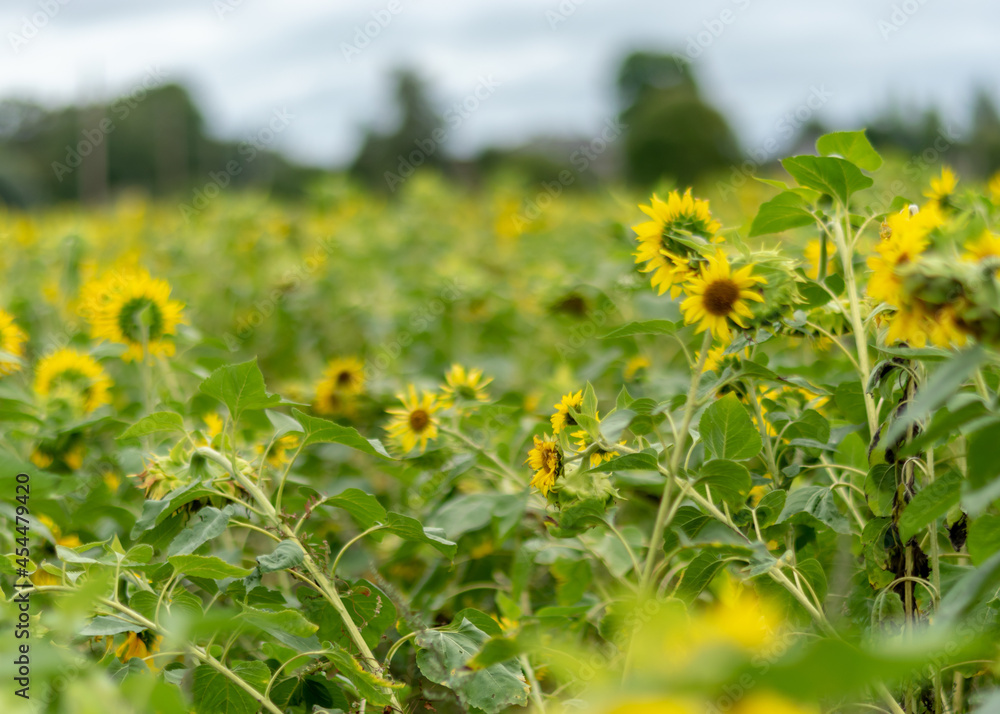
(785, 211)
(410, 529)
(770, 507)
(644, 327)
(984, 538)
(929, 504)
(816, 503)
(727, 430)
(944, 383)
(968, 590)
(728, 481)
(288, 621)
(851, 145)
(287, 554)
(810, 425)
(698, 574)
(283, 424)
(369, 686)
(240, 387)
(443, 656)
(215, 693)
(104, 625)
(206, 566)
(155, 512)
(851, 401)
(835, 177)
(363, 507)
(322, 431)
(615, 423)
(370, 608)
(641, 461)
(983, 466)
(880, 489)
(208, 523)
(152, 424)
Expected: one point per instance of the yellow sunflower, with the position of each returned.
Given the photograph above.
(343, 380)
(987, 245)
(464, 385)
(910, 326)
(943, 186)
(140, 645)
(547, 460)
(718, 295)
(599, 455)
(415, 423)
(562, 418)
(678, 215)
(994, 187)
(905, 238)
(133, 309)
(12, 339)
(713, 360)
(74, 378)
(278, 455)
(812, 256)
(634, 365)
(943, 329)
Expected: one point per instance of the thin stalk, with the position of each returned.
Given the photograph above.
(772, 464)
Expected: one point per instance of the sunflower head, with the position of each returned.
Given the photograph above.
(466, 386)
(943, 186)
(546, 458)
(133, 309)
(718, 295)
(415, 423)
(674, 235)
(73, 379)
(562, 416)
(12, 339)
(343, 380)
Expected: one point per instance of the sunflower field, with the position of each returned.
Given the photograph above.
(724, 450)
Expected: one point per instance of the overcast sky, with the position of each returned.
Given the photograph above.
(550, 65)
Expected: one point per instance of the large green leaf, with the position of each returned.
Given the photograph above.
(814, 503)
(853, 146)
(323, 431)
(838, 178)
(155, 512)
(929, 504)
(644, 327)
(215, 693)
(409, 528)
(443, 655)
(880, 489)
(208, 523)
(785, 211)
(154, 423)
(728, 431)
(206, 566)
(363, 507)
(240, 387)
(984, 538)
(698, 574)
(728, 481)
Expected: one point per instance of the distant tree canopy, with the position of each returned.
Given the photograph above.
(155, 141)
(416, 141)
(672, 131)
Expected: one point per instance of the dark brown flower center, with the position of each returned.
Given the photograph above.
(720, 296)
(419, 419)
(345, 378)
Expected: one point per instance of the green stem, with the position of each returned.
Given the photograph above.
(772, 464)
(348, 544)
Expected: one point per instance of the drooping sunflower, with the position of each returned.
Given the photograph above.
(141, 645)
(415, 423)
(905, 238)
(133, 309)
(546, 459)
(812, 255)
(909, 325)
(718, 295)
(74, 378)
(713, 360)
(562, 418)
(464, 385)
(12, 339)
(663, 256)
(343, 380)
(942, 187)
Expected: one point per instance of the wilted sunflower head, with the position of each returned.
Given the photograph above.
(133, 309)
(718, 295)
(74, 380)
(12, 339)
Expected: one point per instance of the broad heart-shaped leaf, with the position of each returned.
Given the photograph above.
(853, 146)
(239, 387)
(370, 608)
(155, 512)
(206, 566)
(727, 430)
(154, 423)
(644, 327)
(880, 489)
(727, 480)
(814, 503)
(785, 211)
(838, 178)
(363, 507)
(929, 504)
(698, 574)
(443, 655)
(615, 423)
(322, 431)
(289, 627)
(410, 529)
(215, 693)
(208, 523)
